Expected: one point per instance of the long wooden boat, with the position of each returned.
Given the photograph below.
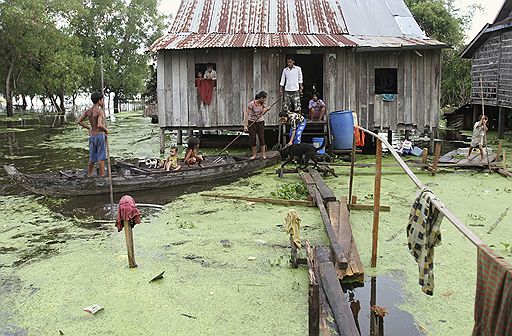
(129, 177)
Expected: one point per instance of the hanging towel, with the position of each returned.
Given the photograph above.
(126, 210)
(388, 97)
(493, 299)
(292, 226)
(422, 235)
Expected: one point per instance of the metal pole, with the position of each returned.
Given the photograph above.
(352, 161)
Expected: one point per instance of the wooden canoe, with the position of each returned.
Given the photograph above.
(125, 179)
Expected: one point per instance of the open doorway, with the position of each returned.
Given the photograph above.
(313, 72)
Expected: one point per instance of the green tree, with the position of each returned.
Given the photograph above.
(116, 33)
(441, 20)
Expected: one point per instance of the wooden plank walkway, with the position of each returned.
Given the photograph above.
(456, 160)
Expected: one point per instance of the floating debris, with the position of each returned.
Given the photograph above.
(158, 277)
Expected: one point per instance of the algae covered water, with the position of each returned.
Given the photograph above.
(226, 263)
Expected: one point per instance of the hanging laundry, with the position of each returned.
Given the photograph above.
(359, 136)
(493, 298)
(423, 235)
(388, 97)
(205, 89)
(126, 210)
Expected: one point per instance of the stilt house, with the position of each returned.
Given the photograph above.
(491, 70)
(367, 56)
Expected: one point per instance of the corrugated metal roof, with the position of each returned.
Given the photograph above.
(260, 17)
(379, 18)
(215, 40)
(375, 42)
(290, 23)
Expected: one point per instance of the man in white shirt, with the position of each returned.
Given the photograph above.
(291, 84)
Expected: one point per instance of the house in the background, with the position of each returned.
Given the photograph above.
(367, 56)
(491, 70)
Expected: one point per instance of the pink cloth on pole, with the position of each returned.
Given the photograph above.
(126, 210)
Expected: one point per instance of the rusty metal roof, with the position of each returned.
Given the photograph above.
(287, 23)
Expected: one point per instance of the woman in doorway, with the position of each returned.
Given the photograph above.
(255, 124)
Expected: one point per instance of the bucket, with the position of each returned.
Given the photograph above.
(342, 128)
(317, 142)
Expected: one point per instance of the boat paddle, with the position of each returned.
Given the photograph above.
(236, 138)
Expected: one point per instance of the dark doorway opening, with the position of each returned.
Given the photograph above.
(313, 75)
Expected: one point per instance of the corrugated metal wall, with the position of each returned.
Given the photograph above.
(349, 83)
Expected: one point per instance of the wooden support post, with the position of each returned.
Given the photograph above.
(162, 140)
(354, 199)
(179, 137)
(432, 139)
(437, 155)
(352, 161)
(501, 122)
(505, 160)
(424, 156)
(376, 203)
(498, 152)
(390, 136)
(128, 233)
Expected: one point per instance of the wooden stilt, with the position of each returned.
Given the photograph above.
(500, 149)
(424, 156)
(376, 203)
(179, 137)
(314, 293)
(501, 122)
(162, 140)
(505, 160)
(437, 155)
(352, 161)
(354, 199)
(128, 233)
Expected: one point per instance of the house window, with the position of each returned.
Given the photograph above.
(386, 81)
(206, 70)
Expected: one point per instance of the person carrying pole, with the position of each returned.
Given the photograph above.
(477, 140)
(97, 133)
(254, 114)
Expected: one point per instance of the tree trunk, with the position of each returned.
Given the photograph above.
(73, 97)
(62, 107)
(43, 100)
(8, 91)
(116, 102)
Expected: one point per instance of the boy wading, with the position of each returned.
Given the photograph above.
(97, 133)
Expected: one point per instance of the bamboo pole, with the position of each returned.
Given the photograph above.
(485, 132)
(376, 203)
(352, 161)
(262, 200)
(437, 203)
(128, 233)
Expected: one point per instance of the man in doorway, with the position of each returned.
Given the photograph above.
(291, 86)
(210, 73)
(97, 133)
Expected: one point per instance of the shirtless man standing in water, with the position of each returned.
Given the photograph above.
(97, 133)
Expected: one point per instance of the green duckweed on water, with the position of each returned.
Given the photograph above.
(226, 262)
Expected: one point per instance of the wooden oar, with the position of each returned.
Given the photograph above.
(236, 138)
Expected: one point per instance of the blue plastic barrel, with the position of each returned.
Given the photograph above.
(318, 142)
(342, 128)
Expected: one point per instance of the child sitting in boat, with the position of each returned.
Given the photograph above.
(171, 163)
(191, 156)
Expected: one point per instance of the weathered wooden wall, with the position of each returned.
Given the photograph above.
(349, 84)
(493, 63)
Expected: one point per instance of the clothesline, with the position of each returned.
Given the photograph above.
(437, 203)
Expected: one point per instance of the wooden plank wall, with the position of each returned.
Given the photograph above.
(505, 83)
(349, 84)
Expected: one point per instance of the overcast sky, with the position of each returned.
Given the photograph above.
(490, 10)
